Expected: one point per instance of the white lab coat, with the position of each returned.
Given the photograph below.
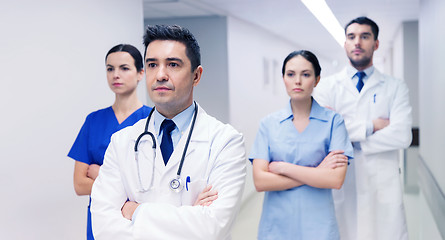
(215, 156)
(369, 205)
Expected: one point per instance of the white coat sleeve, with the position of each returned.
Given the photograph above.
(356, 128)
(164, 221)
(107, 198)
(397, 135)
(323, 93)
(326, 94)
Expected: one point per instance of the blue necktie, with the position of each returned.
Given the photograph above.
(167, 127)
(360, 83)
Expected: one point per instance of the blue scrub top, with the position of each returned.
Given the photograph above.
(94, 137)
(95, 134)
(303, 212)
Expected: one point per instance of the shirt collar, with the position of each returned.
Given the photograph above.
(317, 112)
(351, 71)
(181, 120)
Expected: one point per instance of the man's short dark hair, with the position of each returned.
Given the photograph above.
(174, 33)
(366, 21)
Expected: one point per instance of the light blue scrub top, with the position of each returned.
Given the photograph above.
(303, 212)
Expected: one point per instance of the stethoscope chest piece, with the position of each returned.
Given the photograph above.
(176, 184)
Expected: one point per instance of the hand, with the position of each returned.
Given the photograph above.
(380, 123)
(206, 197)
(334, 160)
(277, 167)
(128, 209)
(93, 171)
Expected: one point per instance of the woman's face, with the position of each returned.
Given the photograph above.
(299, 78)
(122, 74)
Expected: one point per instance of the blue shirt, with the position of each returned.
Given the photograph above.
(352, 74)
(95, 136)
(303, 212)
(181, 120)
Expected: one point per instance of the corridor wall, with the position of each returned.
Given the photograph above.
(431, 118)
(52, 61)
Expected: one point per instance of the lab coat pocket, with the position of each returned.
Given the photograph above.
(145, 196)
(379, 106)
(191, 191)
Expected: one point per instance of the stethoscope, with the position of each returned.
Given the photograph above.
(175, 184)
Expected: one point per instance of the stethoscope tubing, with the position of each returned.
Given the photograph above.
(146, 132)
(192, 127)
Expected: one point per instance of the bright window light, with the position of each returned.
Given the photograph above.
(323, 13)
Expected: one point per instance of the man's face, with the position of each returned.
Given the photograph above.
(360, 45)
(170, 80)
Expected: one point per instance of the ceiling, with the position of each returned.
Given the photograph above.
(293, 21)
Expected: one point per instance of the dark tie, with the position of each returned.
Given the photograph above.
(360, 83)
(167, 127)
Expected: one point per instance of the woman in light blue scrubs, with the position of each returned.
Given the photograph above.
(124, 66)
(300, 153)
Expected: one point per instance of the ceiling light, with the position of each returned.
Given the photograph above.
(323, 13)
(160, 1)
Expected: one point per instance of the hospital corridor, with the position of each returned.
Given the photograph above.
(295, 98)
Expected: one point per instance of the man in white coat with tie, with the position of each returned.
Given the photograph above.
(377, 114)
(150, 183)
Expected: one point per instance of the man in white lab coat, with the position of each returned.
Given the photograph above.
(139, 198)
(378, 118)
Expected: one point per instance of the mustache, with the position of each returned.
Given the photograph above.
(162, 84)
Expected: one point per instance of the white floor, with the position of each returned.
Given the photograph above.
(246, 225)
(411, 201)
(248, 218)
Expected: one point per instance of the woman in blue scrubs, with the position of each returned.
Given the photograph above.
(124, 67)
(300, 153)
